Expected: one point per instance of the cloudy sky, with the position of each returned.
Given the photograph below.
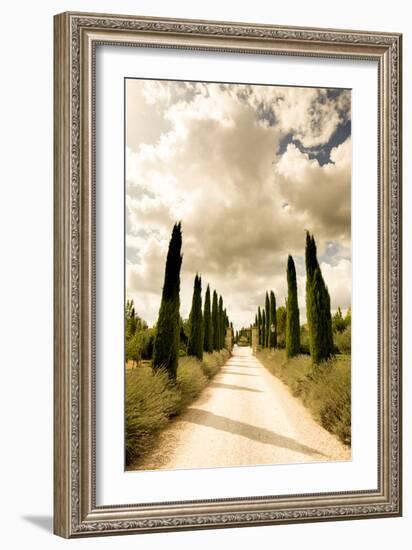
(247, 169)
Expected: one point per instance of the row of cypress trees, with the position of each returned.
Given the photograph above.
(318, 312)
(207, 327)
(265, 321)
(216, 322)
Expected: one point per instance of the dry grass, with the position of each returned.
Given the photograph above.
(325, 390)
(152, 398)
(150, 401)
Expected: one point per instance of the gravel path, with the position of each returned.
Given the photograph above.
(245, 416)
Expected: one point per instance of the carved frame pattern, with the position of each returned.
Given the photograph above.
(76, 36)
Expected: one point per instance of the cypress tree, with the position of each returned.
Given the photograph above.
(207, 324)
(166, 344)
(221, 324)
(195, 345)
(273, 323)
(317, 307)
(321, 339)
(259, 326)
(226, 326)
(311, 265)
(267, 315)
(263, 329)
(292, 312)
(215, 322)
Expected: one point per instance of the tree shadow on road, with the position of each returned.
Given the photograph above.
(206, 418)
(233, 387)
(242, 365)
(238, 373)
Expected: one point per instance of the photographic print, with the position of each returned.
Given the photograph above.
(238, 274)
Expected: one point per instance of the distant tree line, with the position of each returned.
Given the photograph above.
(280, 327)
(243, 336)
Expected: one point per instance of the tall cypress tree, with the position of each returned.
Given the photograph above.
(226, 326)
(195, 345)
(215, 322)
(317, 307)
(321, 338)
(263, 329)
(292, 312)
(259, 326)
(221, 324)
(207, 324)
(166, 344)
(273, 322)
(267, 315)
(311, 265)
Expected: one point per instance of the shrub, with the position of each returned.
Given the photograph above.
(325, 389)
(213, 361)
(150, 400)
(190, 380)
(342, 340)
(329, 396)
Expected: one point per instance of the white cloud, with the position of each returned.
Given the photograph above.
(338, 279)
(216, 168)
(311, 115)
(319, 195)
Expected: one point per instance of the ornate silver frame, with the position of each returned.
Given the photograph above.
(75, 38)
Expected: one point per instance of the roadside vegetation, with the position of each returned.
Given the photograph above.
(153, 399)
(169, 364)
(326, 392)
(313, 359)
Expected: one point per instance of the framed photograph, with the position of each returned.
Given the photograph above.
(227, 274)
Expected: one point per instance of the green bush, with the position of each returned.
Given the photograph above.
(213, 361)
(343, 340)
(140, 345)
(325, 389)
(190, 380)
(335, 413)
(150, 400)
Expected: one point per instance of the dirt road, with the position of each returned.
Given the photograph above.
(245, 416)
